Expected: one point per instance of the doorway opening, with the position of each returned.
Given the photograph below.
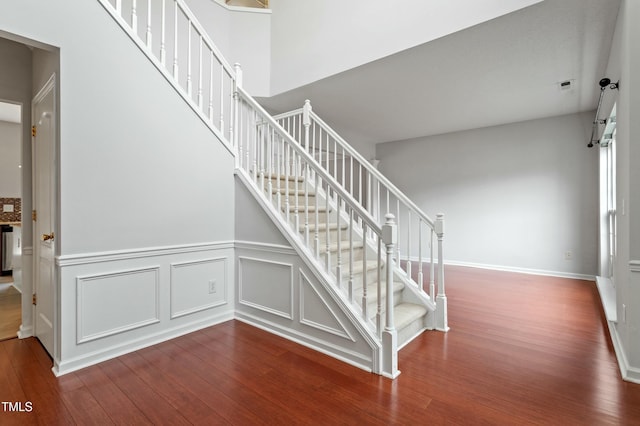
(10, 219)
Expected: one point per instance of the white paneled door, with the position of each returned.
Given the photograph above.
(44, 134)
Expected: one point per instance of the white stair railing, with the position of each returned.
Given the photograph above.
(323, 216)
(177, 44)
(417, 233)
(350, 215)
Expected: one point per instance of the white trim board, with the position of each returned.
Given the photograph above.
(628, 373)
(516, 269)
(115, 255)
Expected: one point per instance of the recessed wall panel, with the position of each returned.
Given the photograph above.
(266, 285)
(198, 285)
(116, 302)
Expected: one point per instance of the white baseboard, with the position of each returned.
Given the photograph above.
(307, 341)
(503, 268)
(89, 359)
(628, 373)
(25, 332)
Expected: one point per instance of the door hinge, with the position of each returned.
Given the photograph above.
(33, 131)
(34, 299)
(34, 215)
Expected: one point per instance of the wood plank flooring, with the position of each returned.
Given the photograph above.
(522, 350)
(10, 309)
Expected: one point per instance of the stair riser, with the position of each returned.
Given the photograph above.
(372, 306)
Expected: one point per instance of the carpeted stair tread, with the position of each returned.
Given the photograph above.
(284, 177)
(344, 246)
(323, 227)
(405, 313)
(372, 290)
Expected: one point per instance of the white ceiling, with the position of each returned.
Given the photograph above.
(502, 71)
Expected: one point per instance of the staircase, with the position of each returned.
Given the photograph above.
(344, 219)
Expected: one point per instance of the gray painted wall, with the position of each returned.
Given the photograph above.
(10, 159)
(517, 196)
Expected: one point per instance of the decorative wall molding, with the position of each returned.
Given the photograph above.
(634, 265)
(252, 294)
(110, 303)
(210, 286)
(116, 255)
(308, 293)
(271, 248)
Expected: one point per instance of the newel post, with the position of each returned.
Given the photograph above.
(441, 300)
(390, 334)
(233, 131)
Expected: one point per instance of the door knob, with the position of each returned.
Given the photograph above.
(47, 237)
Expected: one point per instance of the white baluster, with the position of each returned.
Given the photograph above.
(222, 73)
(270, 165)
(365, 313)
(338, 245)
(409, 246)
(390, 335)
(398, 226)
(134, 17)
(175, 40)
(306, 122)
(287, 160)
(296, 192)
(351, 255)
(254, 143)
(210, 106)
(327, 229)
(306, 203)
(149, 24)
(351, 175)
(441, 299)
(379, 289)
(200, 73)
(163, 29)
(432, 274)
(420, 275)
(189, 88)
(316, 236)
(119, 6)
(278, 171)
(343, 182)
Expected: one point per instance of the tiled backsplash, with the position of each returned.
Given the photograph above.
(6, 215)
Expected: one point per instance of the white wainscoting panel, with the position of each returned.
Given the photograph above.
(198, 285)
(112, 303)
(266, 285)
(116, 302)
(316, 312)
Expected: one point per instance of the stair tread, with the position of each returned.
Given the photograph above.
(323, 226)
(274, 176)
(405, 313)
(372, 289)
(301, 193)
(357, 267)
(310, 208)
(344, 246)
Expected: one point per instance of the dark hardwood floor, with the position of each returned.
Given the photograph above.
(522, 350)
